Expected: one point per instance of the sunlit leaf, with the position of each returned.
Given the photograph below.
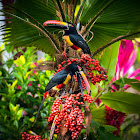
(19, 113)
(122, 101)
(16, 123)
(98, 114)
(109, 60)
(14, 83)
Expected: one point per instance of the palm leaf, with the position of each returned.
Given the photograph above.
(21, 33)
(119, 18)
(107, 19)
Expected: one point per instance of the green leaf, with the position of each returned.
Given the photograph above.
(109, 60)
(95, 124)
(16, 123)
(94, 90)
(11, 106)
(18, 76)
(134, 83)
(135, 86)
(122, 101)
(27, 74)
(104, 135)
(120, 18)
(29, 80)
(9, 63)
(110, 128)
(9, 48)
(98, 114)
(125, 81)
(3, 129)
(14, 84)
(20, 33)
(19, 114)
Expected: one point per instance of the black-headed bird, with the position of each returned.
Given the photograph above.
(61, 78)
(72, 37)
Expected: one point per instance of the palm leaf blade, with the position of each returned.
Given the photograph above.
(120, 18)
(21, 33)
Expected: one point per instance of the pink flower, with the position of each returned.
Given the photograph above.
(30, 84)
(24, 113)
(35, 107)
(35, 64)
(126, 58)
(19, 87)
(29, 93)
(34, 72)
(38, 85)
(36, 95)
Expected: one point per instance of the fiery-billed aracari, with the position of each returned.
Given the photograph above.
(61, 78)
(71, 35)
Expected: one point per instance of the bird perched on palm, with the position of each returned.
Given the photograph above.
(72, 37)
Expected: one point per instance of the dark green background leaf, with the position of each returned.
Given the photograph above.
(102, 133)
(22, 34)
(120, 18)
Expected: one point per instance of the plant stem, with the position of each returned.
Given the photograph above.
(61, 10)
(100, 93)
(113, 41)
(35, 26)
(79, 12)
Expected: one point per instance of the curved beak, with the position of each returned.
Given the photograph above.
(86, 81)
(56, 24)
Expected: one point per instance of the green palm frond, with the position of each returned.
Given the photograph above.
(104, 20)
(119, 18)
(20, 33)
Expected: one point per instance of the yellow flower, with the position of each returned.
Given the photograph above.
(20, 61)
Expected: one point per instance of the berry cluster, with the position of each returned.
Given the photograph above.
(64, 54)
(93, 65)
(95, 72)
(26, 136)
(74, 121)
(71, 113)
(54, 110)
(114, 118)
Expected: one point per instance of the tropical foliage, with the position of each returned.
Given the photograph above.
(102, 24)
(98, 21)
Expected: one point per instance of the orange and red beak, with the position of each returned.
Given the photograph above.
(86, 81)
(80, 75)
(56, 24)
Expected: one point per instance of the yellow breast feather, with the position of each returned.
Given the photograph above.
(67, 79)
(66, 37)
(55, 88)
